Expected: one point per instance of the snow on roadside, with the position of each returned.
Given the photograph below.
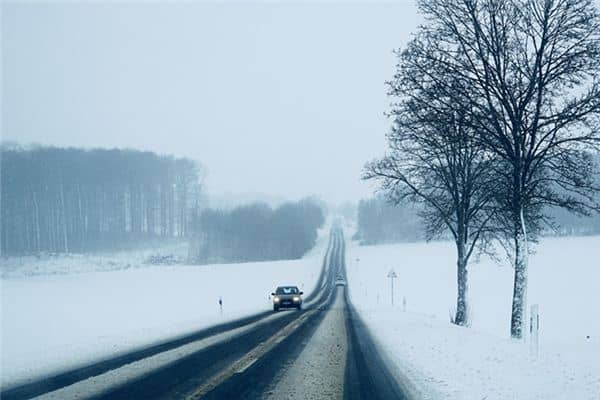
(55, 322)
(482, 362)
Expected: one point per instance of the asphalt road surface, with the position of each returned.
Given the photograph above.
(323, 351)
(318, 371)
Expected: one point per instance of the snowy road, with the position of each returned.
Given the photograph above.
(318, 372)
(321, 352)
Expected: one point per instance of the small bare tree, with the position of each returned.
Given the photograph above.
(530, 70)
(435, 160)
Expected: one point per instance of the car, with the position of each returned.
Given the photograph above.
(339, 281)
(287, 297)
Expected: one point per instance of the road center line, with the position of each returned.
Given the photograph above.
(251, 357)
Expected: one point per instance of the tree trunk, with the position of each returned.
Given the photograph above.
(36, 211)
(80, 224)
(519, 302)
(171, 210)
(183, 209)
(163, 210)
(461, 318)
(65, 240)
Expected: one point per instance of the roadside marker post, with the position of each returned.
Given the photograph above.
(221, 305)
(392, 275)
(534, 330)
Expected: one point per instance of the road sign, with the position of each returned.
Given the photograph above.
(392, 275)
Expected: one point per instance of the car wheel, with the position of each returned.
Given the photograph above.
(275, 308)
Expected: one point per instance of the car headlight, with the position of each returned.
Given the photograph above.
(276, 299)
(296, 298)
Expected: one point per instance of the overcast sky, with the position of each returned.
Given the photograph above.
(281, 99)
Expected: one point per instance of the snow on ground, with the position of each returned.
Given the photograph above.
(66, 264)
(482, 362)
(59, 321)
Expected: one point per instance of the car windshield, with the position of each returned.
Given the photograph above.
(287, 290)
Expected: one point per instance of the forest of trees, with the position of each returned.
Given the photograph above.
(380, 222)
(61, 200)
(256, 232)
(564, 223)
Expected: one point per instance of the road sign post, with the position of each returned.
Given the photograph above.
(534, 330)
(392, 275)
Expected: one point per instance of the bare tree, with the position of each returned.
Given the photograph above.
(435, 160)
(530, 71)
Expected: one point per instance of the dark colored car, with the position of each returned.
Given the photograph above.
(287, 297)
(339, 281)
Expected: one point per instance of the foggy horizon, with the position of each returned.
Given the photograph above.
(288, 102)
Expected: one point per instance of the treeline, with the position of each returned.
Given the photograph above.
(256, 232)
(564, 223)
(74, 200)
(380, 222)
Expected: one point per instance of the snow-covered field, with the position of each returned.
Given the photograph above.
(67, 264)
(482, 362)
(59, 319)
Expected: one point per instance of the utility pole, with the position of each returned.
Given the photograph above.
(392, 275)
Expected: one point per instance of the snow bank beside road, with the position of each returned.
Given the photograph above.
(54, 322)
(450, 362)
